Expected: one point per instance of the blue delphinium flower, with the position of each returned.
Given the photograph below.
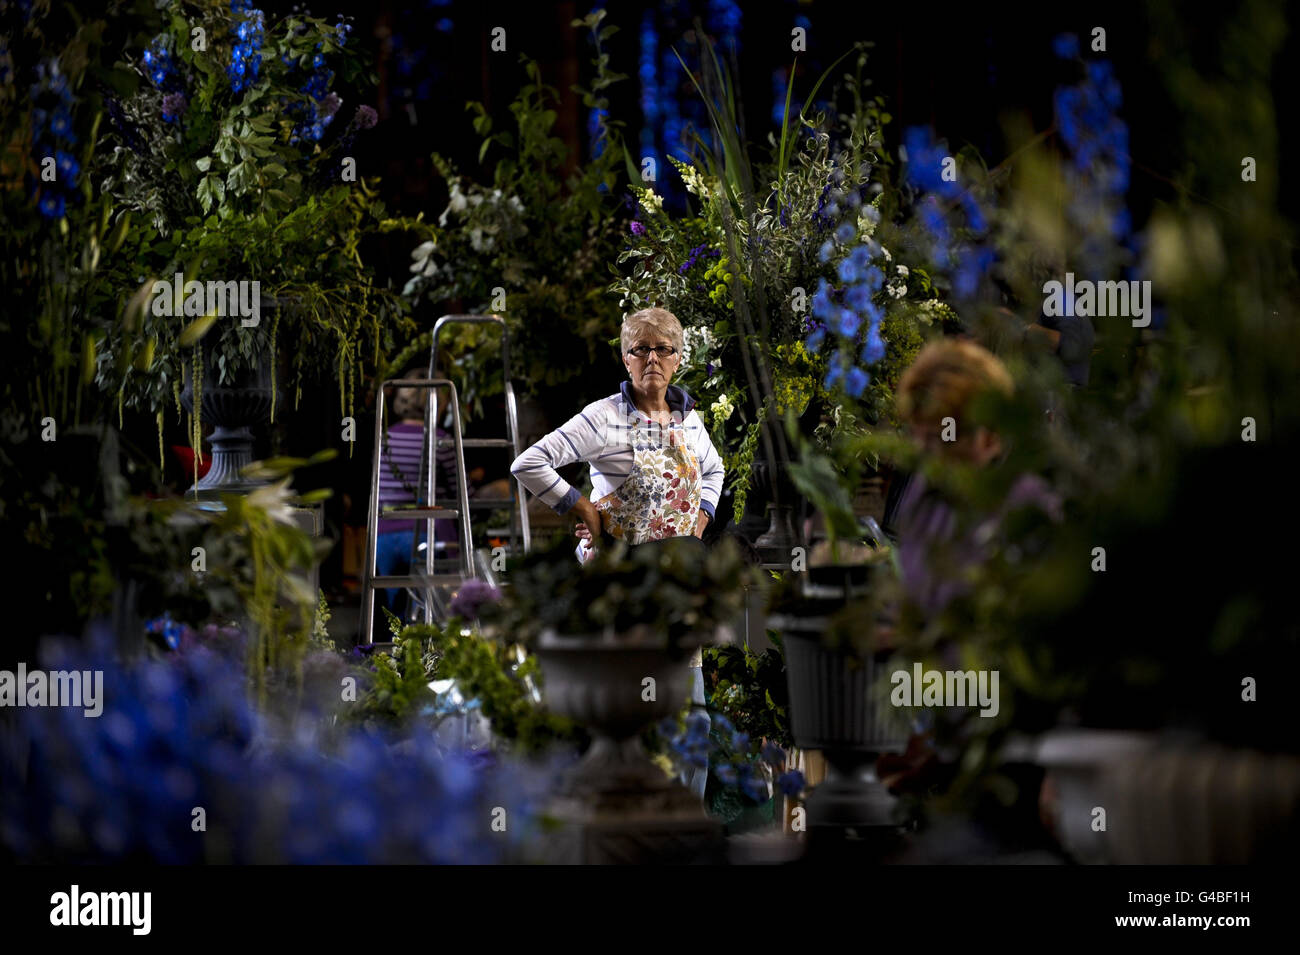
(791, 783)
(874, 349)
(815, 339)
(847, 323)
(751, 783)
(845, 232)
(246, 57)
(1066, 46)
(925, 163)
(772, 754)
(52, 206)
(726, 774)
(68, 167)
(697, 727)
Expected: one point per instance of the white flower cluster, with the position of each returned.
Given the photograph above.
(692, 178)
(697, 342)
(423, 265)
(899, 288)
(481, 237)
(649, 201)
(722, 408)
(868, 219)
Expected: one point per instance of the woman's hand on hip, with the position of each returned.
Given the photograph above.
(589, 525)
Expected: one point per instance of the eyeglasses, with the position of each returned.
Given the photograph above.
(643, 351)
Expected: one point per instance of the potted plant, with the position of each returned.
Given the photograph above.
(614, 638)
(242, 214)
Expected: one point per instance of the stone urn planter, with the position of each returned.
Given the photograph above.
(234, 409)
(837, 705)
(616, 805)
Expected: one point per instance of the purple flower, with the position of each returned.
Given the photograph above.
(174, 106)
(637, 228)
(471, 597)
(366, 117)
(330, 105)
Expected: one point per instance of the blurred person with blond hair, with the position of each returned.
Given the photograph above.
(936, 398)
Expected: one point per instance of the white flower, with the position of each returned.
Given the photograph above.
(692, 180)
(650, 202)
(903, 271)
(274, 499)
(897, 291)
(885, 252)
(722, 408)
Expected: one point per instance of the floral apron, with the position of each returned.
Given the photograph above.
(661, 496)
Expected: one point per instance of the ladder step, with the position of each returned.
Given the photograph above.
(476, 443)
(418, 513)
(411, 580)
(475, 502)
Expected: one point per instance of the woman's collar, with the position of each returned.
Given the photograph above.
(676, 396)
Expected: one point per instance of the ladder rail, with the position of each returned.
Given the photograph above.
(520, 527)
(427, 485)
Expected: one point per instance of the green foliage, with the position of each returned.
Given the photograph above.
(750, 689)
(676, 589)
(537, 233)
(225, 195)
(397, 690)
(502, 678)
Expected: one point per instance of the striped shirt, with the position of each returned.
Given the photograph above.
(601, 435)
(400, 468)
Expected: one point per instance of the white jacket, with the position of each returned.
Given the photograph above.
(600, 434)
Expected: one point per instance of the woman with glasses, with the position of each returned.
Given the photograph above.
(654, 471)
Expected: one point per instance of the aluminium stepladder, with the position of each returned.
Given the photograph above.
(430, 588)
(518, 536)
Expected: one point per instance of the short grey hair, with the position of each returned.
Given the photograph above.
(657, 321)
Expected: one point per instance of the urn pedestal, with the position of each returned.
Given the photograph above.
(234, 409)
(838, 706)
(615, 806)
